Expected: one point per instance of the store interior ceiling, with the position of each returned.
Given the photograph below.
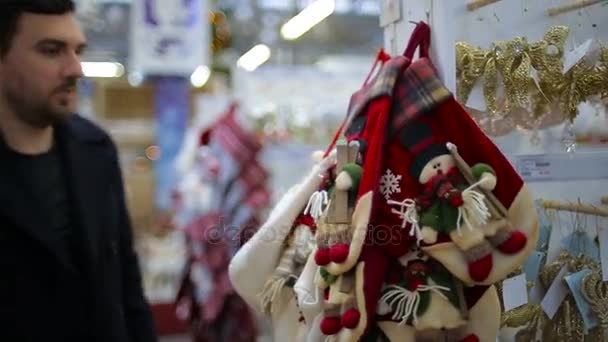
(350, 35)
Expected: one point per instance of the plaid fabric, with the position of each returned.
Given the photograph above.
(383, 84)
(239, 143)
(418, 90)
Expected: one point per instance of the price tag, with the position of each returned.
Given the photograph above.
(555, 294)
(514, 292)
(574, 56)
(532, 265)
(391, 12)
(534, 168)
(574, 283)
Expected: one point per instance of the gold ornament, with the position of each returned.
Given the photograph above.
(537, 320)
(493, 64)
(516, 72)
(548, 60)
(574, 88)
(599, 77)
(470, 63)
(595, 291)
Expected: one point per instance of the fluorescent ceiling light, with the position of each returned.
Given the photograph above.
(308, 18)
(255, 57)
(200, 76)
(102, 69)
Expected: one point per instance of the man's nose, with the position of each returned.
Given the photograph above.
(73, 67)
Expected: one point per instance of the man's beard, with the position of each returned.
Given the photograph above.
(35, 113)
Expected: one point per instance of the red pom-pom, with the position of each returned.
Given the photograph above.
(322, 256)
(339, 252)
(350, 318)
(331, 325)
(514, 244)
(480, 269)
(470, 338)
(457, 201)
(306, 220)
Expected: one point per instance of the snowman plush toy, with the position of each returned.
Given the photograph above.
(448, 205)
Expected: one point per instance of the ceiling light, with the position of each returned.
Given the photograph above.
(102, 69)
(307, 19)
(255, 57)
(200, 76)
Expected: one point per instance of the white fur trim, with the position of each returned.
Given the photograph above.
(309, 295)
(317, 156)
(484, 316)
(285, 322)
(266, 246)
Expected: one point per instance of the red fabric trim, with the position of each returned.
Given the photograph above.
(420, 38)
(375, 135)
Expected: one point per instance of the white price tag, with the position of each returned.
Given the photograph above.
(514, 292)
(534, 168)
(603, 237)
(555, 294)
(391, 12)
(574, 56)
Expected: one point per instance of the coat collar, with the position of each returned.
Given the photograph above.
(85, 159)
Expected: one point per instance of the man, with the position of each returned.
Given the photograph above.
(68, 271)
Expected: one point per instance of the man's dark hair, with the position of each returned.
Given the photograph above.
(11, 11)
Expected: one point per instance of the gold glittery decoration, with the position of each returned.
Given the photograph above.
(599, 77)
(470, 62)
(548, 60)
(516, 72)
(537, 91)
(595, 291)
(493, 64)
(574, 88)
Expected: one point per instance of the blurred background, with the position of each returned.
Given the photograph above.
(217, 105)
(170, 80)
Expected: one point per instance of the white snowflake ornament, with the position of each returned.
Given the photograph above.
(389, 184)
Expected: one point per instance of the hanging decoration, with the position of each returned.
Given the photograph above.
(534, 84)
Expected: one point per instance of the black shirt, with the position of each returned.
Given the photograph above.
(45, 183)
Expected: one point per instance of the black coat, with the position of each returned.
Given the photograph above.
(37, 277)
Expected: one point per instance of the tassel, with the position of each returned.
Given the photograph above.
(317, 204)
(474, 211)
(270, 294)
(269, 297)
(410, 215)
(408, 301)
